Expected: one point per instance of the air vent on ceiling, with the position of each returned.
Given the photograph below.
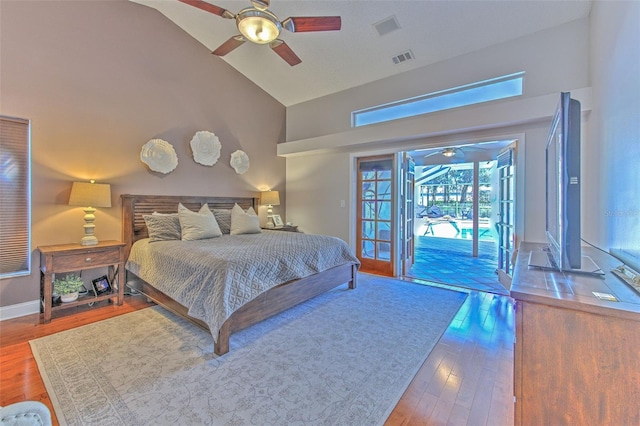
(403, 57)
(386, 26)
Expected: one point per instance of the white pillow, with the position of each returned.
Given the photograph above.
(244, 222)
(197, 226)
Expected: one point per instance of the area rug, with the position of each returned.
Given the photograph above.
(342, 358)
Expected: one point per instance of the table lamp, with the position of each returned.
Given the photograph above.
(270, 198)
(90, 195)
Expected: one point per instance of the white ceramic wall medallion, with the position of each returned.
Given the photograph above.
(239, 161)
(206, 148)
(159, 155)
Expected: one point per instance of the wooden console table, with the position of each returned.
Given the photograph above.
(577, 357)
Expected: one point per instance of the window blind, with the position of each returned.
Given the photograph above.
(15, 197)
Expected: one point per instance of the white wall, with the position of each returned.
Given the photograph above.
(615, 147)
(326, 139)
(555, 60)
(318, 185)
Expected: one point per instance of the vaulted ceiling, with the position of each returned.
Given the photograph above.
(431, 30)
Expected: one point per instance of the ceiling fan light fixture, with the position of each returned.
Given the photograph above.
(258, 26)
(449, 152)
(260, 4)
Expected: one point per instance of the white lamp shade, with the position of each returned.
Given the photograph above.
(90, 194)
(271, 198)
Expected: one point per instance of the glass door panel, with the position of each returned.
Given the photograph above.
(408, 212)
(506, 222)
(375, 214)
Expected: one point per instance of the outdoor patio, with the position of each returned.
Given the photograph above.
(449, 261)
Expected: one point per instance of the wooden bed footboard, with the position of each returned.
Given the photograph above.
(283, 297)
(269, 303)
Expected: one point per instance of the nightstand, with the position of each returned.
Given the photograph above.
(288, 228)
(63, 258)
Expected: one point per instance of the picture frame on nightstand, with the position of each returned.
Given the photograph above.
(101, 285)
(277, 220)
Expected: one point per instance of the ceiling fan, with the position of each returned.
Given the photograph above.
(258, 25)
(449, 152)
(457, 154)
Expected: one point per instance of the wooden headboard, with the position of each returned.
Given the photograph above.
(135, 206)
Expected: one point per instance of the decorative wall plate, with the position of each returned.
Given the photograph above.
(239, 162)
(159, 155)
(206, 148)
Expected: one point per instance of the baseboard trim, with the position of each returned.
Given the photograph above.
(19, 310)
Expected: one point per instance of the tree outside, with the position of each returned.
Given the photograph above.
(452, 193)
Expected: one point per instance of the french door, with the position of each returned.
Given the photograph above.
(375, 215)
(408, 212)
(506, 211)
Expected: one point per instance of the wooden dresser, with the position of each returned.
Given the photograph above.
(577, 357)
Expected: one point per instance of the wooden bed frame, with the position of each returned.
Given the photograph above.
(269, 303)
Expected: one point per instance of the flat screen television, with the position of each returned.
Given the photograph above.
(563, 185)
(563, 193)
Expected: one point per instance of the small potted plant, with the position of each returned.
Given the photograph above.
(68, 287)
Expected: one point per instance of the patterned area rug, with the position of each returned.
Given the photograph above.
(343, 358)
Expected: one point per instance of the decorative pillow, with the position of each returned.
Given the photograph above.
(223, 217)
(244, 222)
(197, 226)
(162, 227)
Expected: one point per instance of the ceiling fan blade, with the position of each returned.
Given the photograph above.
(229, 45)
(284, 51)
(312, 23)
(432, 154)
(208, 7)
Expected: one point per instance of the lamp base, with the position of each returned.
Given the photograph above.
(269, 223)
(89, 240)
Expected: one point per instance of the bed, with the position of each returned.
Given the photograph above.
(265, 302)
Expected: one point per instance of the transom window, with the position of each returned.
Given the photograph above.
(484, 91)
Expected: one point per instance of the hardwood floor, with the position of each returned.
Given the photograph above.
(466, 380)
(468, 377)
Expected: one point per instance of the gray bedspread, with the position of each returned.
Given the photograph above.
(215, 277)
